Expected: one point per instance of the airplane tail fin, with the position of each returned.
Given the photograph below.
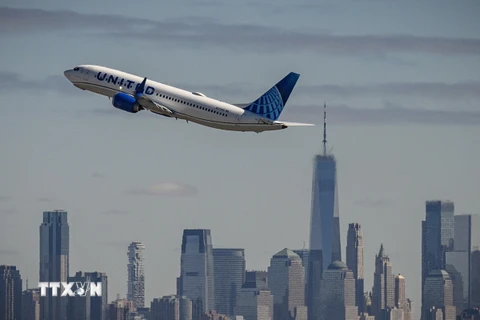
(270, 105)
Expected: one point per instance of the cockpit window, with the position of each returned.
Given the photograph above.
(76, 69)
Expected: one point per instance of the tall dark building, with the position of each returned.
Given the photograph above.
(165, 308)
(197, 270)
(437, 237)
(355, 262)
(54, 260)
(31, 304)
(256, 279)
(324, 223)
(467, 241)
(88, 307)
(229, 275)
(10, 293)
(315, 272)
(475, 279)
(438, 294)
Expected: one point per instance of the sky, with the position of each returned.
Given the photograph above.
(402, 86)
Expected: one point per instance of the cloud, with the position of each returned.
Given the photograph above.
(15, 20)
(117, 244)
(116, 212)
(8, 252)
(10, 81)
(165, 189)
(393, 114)
(45, 200)
(456, 91)
(97, 175)
(5, 198)
(203, 32)
(8, 211)
(434, 90)
(369, 202)
(338, 113)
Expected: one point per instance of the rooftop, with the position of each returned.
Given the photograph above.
(337, 265)
(286, 253)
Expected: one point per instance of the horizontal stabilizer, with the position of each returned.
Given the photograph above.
(295, 124)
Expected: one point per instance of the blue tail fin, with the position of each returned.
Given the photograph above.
(272, 102)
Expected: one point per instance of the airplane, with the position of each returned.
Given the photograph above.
(132, 94)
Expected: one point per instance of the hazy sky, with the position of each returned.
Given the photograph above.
(401, 81)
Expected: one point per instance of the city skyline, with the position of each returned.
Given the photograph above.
(402, 103)
(286, 273)
(52, 216)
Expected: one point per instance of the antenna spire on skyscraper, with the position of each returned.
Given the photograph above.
(325, 129)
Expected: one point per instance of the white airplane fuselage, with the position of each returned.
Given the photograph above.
(180, 104)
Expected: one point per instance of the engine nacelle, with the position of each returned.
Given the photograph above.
(126, 102)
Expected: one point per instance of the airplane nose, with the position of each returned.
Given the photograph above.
(68, 74)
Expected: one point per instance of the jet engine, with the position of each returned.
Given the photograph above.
(126, 102)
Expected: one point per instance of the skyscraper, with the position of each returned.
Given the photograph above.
(475, 280)
(256, 279)
(255, 301)
(457, 285)
(437, 236)
(438, 293)
(337, 293)
(286, 279)
(88, 307)
(400, 297)
(197, 270)
(136, 274)
(401, 301)
(119, 309)
(303, 254)
(54, 261)
(383, 292)
(391, 314)
(10, 293)
(467, 241)
(355, 261)
(324, 221)
(31, 304)
(229, 275)
(169, 308)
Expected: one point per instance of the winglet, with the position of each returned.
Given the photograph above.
(140, 87)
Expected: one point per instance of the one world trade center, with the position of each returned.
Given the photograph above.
(324, 224)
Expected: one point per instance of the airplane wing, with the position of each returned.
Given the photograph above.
(148, 104)
(295, 124)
